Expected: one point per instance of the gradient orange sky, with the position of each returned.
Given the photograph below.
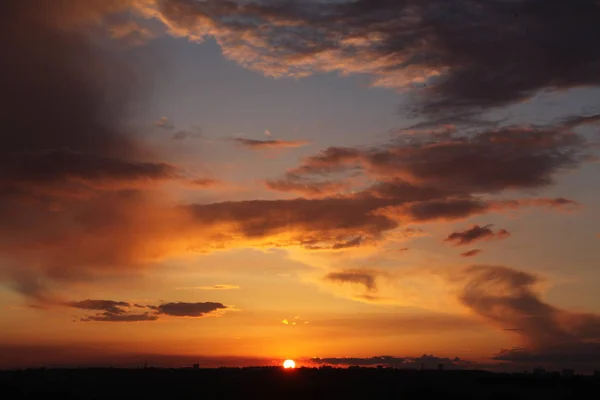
(328, 181)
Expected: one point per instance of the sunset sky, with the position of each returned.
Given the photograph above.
(245, 181)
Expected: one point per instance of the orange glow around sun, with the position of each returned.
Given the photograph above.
(289, 364)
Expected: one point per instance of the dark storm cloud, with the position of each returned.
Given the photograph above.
(366, 278)
(507, 297)
(68, 152)
(269, 144)
(181, 309)
(72, 116)
(58, 165)
(461, 53)
(476, 233)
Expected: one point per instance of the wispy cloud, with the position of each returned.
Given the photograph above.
(212, 287)
(270, 144)
(471, 253)
(549, 335)
(366, 278)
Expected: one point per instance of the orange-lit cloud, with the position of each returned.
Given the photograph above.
(81, 201)
(205, 182)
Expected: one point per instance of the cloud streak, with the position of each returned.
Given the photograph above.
(270, 144)
(366, 278)
(471, 253)
(120, 311)
(476, 233)
(181, 309)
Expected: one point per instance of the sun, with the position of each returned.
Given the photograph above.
(289, 364)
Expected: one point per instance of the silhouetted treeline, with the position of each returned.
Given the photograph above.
(275, 383)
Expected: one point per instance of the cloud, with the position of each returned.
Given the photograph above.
(72, 170)
(577, 121)
(559, 203)
(370, 361)
(213, 287)
(307, 188)
(489, 161)
(119, 311)
(195, 133)
(55, 167)
(507, 298)
(205, 182)
(110, 317)
(114, 311)
(439, 210)
(426, 360)
(460, 55)
(110, 306)
(322, 223)
(270, 144)
(131, 32)
(181, 309)
(471, 253)
(442, 177)
(165, 123)
(476, 233)
(366, 278)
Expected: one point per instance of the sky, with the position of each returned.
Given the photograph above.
(239, 182)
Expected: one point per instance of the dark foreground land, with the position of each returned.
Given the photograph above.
(275, 383)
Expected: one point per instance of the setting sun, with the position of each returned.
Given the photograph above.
(289, 364)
